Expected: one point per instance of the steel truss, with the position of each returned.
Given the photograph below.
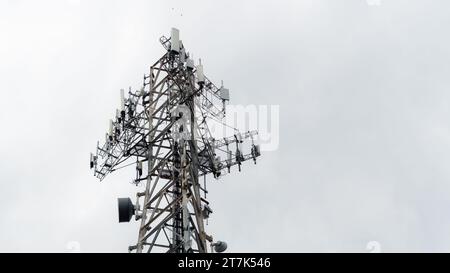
(162, 129)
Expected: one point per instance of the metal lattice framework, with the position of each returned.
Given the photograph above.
(163, 130)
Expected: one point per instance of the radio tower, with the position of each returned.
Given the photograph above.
(162, 129)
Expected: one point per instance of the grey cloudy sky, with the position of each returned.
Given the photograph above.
(364, 125)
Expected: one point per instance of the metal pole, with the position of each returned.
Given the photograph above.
(142, 229)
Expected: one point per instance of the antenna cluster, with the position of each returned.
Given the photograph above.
(162, 129)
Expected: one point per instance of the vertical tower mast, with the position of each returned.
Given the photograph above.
(165, 125)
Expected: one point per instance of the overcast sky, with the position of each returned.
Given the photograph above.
(364, 129)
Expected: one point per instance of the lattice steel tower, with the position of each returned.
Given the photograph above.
(163, 130)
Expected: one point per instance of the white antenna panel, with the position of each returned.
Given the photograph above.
(200, 75)
(190, 64)
(224, 93)
(175, 40)
(110, 127)
(122, 99)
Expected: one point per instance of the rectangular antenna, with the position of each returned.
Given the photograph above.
(175, 40)
(122, 99)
